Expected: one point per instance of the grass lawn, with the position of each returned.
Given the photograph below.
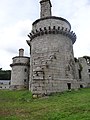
(19, 105)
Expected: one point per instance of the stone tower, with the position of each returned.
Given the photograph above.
(20, 70)
(52, 65)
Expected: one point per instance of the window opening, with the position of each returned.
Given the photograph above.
(89, 70)
(25, 80)
(25, 70)
(80, 76)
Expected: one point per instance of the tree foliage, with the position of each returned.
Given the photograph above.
(5, 74)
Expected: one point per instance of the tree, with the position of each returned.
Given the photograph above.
(0, 69)
(5, 74)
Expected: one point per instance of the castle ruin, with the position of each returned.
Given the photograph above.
(51, 66)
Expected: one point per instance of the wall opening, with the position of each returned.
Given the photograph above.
(69, 86)
(79, 72)
(89, 70)
(25, 70)
(25, 80)
(81, 86)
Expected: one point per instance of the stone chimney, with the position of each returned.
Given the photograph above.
(45, 8)
(21, 52)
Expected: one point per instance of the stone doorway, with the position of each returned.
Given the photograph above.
(69, 86)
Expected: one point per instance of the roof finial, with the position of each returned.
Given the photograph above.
(45, 8)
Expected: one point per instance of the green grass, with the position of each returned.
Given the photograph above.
(19, 105)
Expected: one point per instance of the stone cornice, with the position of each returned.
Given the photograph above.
(21, 57)
(19, 64)
(54, 30)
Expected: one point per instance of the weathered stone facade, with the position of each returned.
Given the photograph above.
(52, 66)
(20, 71)
(45, 8)
(83, 71)
(52, 61)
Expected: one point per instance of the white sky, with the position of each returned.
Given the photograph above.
(16, 17)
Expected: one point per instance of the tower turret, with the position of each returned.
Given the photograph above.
(20, 71)
(45, 8)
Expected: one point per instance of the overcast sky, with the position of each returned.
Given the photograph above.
(16, 17)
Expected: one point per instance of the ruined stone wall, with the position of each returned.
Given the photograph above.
(46, 87)
(85, 73)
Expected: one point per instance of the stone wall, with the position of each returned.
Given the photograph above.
(85, 73)
(46, 87)
(20, 59)
(19, 77)
(52, 63)
(51, 21)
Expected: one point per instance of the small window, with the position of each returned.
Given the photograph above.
(25, 80)
(0, 86)
(81, 86)
(89, 70)
(1, 83)
(25, 70)
(80, 75)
